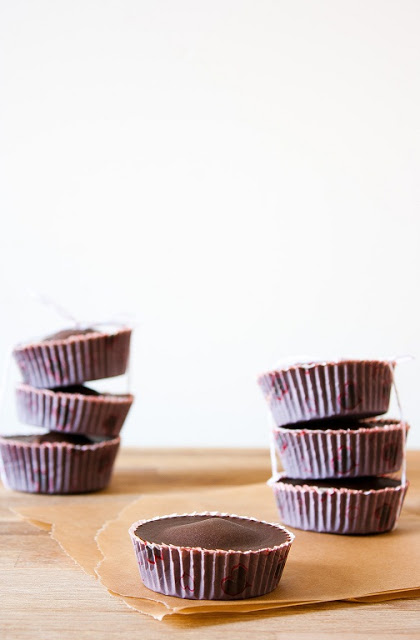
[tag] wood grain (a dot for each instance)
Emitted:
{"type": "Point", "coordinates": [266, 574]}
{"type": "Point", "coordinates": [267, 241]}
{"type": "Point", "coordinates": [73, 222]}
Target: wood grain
{"type": "Point", "coordinates": [44, 595]}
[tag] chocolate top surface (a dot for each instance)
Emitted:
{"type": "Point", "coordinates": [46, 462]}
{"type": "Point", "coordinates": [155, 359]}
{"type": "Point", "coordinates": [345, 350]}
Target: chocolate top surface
{"type": "Point", "coordinates": [337, 423]}
{"type": "Point", "coordinates": [212, 532]}
{"type": "Point", "coordinates": [329, 423]}
{"type": "Point", "coordinates": [69, 438]}
{"type": "Point", "coordinates": [76, 388]}
{"type": "Point", "coordinates": [68, 333]}
{"type": "Point", "coordinates": [365, 483]}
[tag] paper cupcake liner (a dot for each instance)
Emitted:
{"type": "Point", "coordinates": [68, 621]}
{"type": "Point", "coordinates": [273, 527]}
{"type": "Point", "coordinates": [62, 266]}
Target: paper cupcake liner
{"type": "Point", "coordinates": [376, 448]}
{"type": "Point", "coordinates": [330, 389]}
{"type": "Point", "coordinates": [57, 468]}
{"type": "Point", "coordinates": [338, 510]}
{"type": "Point", "coordinates": [201, 574]}
{"type": "Point", "coordinates": [72, 412]}
{"type": "Point", "coordinates": [60, 363]}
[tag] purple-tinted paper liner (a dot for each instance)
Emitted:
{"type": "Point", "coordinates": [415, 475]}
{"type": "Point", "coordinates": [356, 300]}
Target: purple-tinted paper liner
{"type": "Point", "coordinates": [204, 574]}
{"type": "Point", "coordinates": [57, 467]}
{"type": "Point", "coordinates": [338, 510]}
{"type": "Point", "coordinates": [359, 388]}
{"type": "Point", "coordinates": [74, 360]}
{"type": "Point", "coordinates": [376, 448]}
{"type": "Point", "coordinates": [72, 412]}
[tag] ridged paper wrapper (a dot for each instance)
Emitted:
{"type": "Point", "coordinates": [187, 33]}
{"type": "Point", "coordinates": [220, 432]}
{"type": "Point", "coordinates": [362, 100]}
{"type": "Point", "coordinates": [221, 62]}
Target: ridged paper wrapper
{"type": "Point", "coordinates": [203, 574]}
{"type": "Point", "coordinates": [57, 467]}
{"type": "Point", "coordinates": [374, 448]}
{"type": "Point", "coordinates": [314, 391]}
{"type": "Point", "coordinates": [72, 412]}
{"type": "Point", "coordinates": [338, 510]}
{"type": "Point", "coordinates": [74, 360]}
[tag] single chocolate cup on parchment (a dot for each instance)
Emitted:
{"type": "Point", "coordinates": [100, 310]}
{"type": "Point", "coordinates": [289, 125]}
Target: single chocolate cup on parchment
{"type": "Point", "coordinates": [210, 555]}
{"type": "Point", "coordinates": [74, 356]}
{"type": "Point", "coordinates": [344, 506]}
{"type": "Point", "coordinates": [57, 463]}
{"type": "Point", "coordinates": [344, 449]}
{"type": "Point", "coordinates": [336, 389]}
{"type": "Point", "coordinates": [73, 409]}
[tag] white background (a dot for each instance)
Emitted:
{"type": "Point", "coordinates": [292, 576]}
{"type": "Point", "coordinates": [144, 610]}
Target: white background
{"type": "Point", "coordinates": [242, 176]}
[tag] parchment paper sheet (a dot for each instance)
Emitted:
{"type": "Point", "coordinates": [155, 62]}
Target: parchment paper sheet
{"type": "Point", "coordinates": [320, 567]}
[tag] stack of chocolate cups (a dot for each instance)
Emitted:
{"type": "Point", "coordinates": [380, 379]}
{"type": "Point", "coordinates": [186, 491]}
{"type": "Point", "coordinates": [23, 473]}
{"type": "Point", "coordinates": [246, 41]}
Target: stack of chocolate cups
{"type": "Point", "coordinates": [336, 452]}
{"type": "Point", "coordinates": [78, 452]}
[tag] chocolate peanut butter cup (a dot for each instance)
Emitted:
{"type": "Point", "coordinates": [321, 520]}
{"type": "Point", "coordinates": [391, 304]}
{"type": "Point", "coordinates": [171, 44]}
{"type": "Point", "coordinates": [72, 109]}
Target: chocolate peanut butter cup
{"type": "Point", "coordinates": [74, 356]}
{"type": "Point", "coordinates": [344, 506]}
{"type": "Point", "coordinates": [318, 390]}
{"type": "Point", "coordinates": [73, 409]}
{"type": "Point", "coordinates": [210, 555]}
{"type": "Point", "coordinates": [341, 449]}
{"type": "Point", "coordinates": [57, 463]}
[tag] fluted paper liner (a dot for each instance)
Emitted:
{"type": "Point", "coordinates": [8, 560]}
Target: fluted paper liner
{"type": "Point", "coordinates": [74, 360]}
{"type": "Point", "coordinates": [203, 574]}
{"type": "Point", "coordinates": [338, 510]}
{"type": "Point", "coordinates": [101, 415]}
{"type": "Point", "coordinates": [57, 467]}
{"type": "Point", "coordinates": [313, 391]}
{"type": "Point", "coordinates": [374, 448]}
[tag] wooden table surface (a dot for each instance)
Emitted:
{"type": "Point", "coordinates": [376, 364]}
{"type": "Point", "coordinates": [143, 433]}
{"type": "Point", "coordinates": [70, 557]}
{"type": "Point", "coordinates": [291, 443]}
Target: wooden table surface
{"type": "Point", "coordinates": [44, 595]}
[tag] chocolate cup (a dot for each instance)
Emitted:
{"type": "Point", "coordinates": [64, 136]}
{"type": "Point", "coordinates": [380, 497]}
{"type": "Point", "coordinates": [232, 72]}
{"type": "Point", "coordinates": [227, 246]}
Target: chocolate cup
{"type": "Point", "coordinates": [204, 574]}
{"type": "Point", "coordinates": [369, 448]}
{"type": "Point", "coordinates": [102, 414]}
{"type": "Point", "coordinates": [337, 509]}
{"type": "Point", "coordinates": [314, 391]}
{"type": "Point", "coordinates": [74, 360]}
{"type": "Point", "coordinates": [57, 467]}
